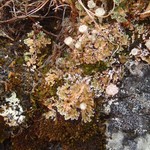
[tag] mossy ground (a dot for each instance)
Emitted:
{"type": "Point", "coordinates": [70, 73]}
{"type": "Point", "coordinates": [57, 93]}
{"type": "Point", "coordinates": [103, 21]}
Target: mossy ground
{"type": "Point", "coordinates": [38, 133]}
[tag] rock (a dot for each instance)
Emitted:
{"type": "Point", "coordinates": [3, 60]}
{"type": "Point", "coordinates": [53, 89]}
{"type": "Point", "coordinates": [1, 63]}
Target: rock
{"type": "Point", "coordinates": [130, 113]}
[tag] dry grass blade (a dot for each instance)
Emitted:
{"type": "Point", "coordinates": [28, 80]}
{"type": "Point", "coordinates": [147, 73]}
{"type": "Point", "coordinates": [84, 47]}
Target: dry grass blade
{"type": "Point", "coordinates": [24, 7]}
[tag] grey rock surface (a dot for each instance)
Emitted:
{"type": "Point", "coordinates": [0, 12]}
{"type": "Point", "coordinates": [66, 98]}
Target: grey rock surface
{"type": "Point", "coordinates": [129, 123]}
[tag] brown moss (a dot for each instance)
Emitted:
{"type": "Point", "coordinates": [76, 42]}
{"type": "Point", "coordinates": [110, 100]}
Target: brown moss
{"type": "Point", "coordinates": [71, 135]}
{"type": "Point", "coordinates": [4, 134]}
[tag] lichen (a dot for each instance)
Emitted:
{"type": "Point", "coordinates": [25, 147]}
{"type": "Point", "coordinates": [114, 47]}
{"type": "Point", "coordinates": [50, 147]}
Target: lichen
{"type": "Point", "coordinates": [12, 111]}
{"type": "Point", "coordinates": [35, 42]}
{"type": "Point", "coordinates": [52, 76]}
{"type": "Point", "coordinates": [85, 69]}
{"type": "Point", "coordinates": [70, 98]}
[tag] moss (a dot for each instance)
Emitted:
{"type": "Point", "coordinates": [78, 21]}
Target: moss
{"type": "Point", "coordinates": [71, 135]}
{"type": "Point", "coordinates": [19, 60]}
{"type": "Point", "coordinates": [2, 61]}
{"type": "Point", "coordinates": [45, 69]}
{"type": "Point", "coordinates": [89, 69]}
{"type": "Point", "coordinates": [4, 134]}
{"type": "Point", "coordinates": [53, 90]}
{"type": "Point", "coordinates": [30, 86]}
{"type": "Point", "coordinates": [4, 42]}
